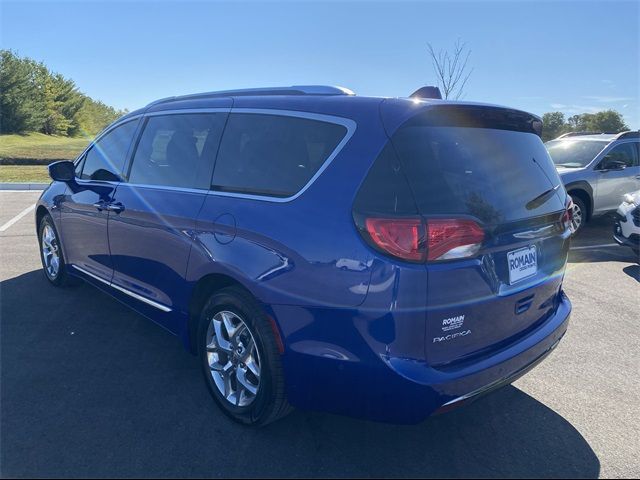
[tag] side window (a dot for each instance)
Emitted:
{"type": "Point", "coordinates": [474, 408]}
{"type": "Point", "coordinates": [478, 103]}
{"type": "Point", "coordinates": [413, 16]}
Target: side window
{"type": "Point", "coordinates": [79, 166]}
{"type": "Point", "coordinates": [626, 153]}
{"type": "Point", "coordinates": [105, 160]}
{"type": "Point", "coordinates": [272, 155]}
{"type": "Point", "coordinates": [178, 150]}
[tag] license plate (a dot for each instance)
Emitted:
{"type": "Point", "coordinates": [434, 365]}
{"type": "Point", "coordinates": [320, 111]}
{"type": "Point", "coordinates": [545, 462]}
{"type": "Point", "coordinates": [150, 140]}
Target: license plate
{"type": "Point", "coordinates": [522, 263]}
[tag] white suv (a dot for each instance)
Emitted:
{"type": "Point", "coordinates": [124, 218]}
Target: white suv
{"type": "Point", "coordinates": [626, 230]}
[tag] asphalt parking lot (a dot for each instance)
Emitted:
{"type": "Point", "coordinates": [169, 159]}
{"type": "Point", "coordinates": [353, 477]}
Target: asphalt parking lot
{"type": "Point", "coordinates": [89, 388]}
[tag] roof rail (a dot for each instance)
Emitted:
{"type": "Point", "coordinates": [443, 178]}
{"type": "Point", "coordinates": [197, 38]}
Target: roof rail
{"type": "Point", "coordinates": [293, 90]}
{"type": "Point", "coordinates": [577, 134]}
{"type": "Point", "coordinates": [629, 134]}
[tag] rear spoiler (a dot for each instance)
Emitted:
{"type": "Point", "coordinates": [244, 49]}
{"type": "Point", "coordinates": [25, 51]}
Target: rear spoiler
{"type": "Point", "coordinates": [396, 112]}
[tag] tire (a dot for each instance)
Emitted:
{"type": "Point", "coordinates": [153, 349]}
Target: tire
{"type": "Point", "coordinates": [51, 254]}
{"type": "Point", "coordinates": [231, 321]}
{"type": "Point", "coordinates": [580, 211]}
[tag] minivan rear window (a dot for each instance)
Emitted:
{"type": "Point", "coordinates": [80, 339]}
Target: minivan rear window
{"type": "Point", "coordinates": [272, 155]}
{"type": "Point", "coordinates": [493, 174]}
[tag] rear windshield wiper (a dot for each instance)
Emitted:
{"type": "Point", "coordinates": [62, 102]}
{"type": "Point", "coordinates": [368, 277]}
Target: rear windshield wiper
{"type": "Point", "coordinates": [542, 198]}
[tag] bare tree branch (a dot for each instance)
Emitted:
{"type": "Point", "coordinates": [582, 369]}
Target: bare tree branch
{"type": "Point", "coordinates": [451, 69]}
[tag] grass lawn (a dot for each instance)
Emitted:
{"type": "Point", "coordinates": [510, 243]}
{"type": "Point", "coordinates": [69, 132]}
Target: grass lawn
{"type": "Point", "coordinates": [38, 146]}
{"type": "Point", "coordinates": [24, 173]}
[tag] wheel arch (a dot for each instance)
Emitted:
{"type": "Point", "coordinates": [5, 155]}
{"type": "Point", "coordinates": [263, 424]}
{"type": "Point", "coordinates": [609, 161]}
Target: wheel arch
{"type": "Point", "coordinates": [203, 289]}
{"type": "Point", "coordinates": [584, 191]}
{"type": "Point", "coordinates": [41, 211]}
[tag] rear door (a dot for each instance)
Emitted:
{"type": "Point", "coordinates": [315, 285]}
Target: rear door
{"type": "Point", "coordinates": [150, 237]}
{"type": "Point", "coordinates": [485, 167]}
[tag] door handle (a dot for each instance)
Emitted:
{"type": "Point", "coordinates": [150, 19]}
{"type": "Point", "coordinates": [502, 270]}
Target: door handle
{"type": "Point", "coordinates": [101, 205]}
{"type": "Point", "coordinates": [116, 207]}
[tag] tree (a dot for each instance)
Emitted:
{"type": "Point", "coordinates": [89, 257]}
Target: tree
{"type": "Point", "coordinates": [607, 121]}
{"type": "Point", "coordinates": [93, 116]}
{"type": "Point", "coordinates": [34, 99]}
{"type": "Point", "coordinates": [451, 69]}
{"type": "Point", "coordinates": [579, 123]}
{"type": "Point", "coordinates": [62, 101]}
{"type": "Point", "coordinates": [19, 95]}
{"type": "Point", "coordinates": [553, 125]}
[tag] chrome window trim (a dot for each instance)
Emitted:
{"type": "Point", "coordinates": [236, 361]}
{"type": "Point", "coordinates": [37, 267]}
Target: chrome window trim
{"type": "Point", "coordinates": [201, 191]}
{"type": "Point", "coordinates": [157, 305]}
{"type": "Point", "coordinates": [349, 124]}
{"type": "Point", "coordinates": [188, 111]}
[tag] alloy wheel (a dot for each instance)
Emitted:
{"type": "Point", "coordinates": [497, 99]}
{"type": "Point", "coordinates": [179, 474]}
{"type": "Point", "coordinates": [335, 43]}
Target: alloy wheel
{"type": "Point", "coordinates": [233, 358]}
{"type": "Point", "coordinates": [50, 252]}
{"type": "Point", "coordinates": [576, 221]}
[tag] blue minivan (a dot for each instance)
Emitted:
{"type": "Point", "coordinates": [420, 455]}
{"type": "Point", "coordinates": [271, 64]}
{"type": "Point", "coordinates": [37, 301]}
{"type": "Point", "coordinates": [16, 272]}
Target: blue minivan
{"type": "Point", "coordinates": [384, 258]}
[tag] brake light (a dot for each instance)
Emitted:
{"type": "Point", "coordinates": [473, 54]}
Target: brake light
{"type": "Point", "coordinates": [453, 238]}
{"type": "Point", "coordinates": [567, 216]}
{"type": "Point", "coordinates": [400, 237]}
{"type": "Point", "coordinates": [439, 239]}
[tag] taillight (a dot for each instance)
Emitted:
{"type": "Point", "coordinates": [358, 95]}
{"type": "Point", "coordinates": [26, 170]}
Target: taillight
{"type": "Point", "coordinates": [567, 216]}
{"type": "Point", "coordinates": [414, 240]}
{"type": "Point", "coordinates": [453, 238]}
{"type": "Point", "coordinates": [400, 237]}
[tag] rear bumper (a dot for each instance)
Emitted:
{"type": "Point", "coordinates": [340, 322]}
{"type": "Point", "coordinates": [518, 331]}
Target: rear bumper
{"type": "Point", "coordinates": [454, 388]}
{"type": "Point", "coordinates": [633, 241]}
{"type": "Point", "coordinates": [471, 396]}
{"type": "Point", "coordinates": [401, 390]}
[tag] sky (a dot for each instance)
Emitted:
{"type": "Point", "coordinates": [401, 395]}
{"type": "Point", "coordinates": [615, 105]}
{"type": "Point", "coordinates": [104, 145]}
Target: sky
{"type": "Point", "coordinates": [539, 56]}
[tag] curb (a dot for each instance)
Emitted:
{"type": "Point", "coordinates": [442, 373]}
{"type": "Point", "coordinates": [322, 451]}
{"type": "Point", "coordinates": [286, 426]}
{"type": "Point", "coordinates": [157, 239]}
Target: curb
{"type": "Point", "coordinates": [22, 186]}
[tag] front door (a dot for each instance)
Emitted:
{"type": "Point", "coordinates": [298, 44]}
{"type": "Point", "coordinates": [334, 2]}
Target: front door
{"type": "Point", "coordinates": [85, 208]}
{"type": "Point", "coordinates": [614, 183]}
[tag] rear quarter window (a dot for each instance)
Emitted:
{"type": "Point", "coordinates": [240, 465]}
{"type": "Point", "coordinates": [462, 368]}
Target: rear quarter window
{"type": "Point", "coordinates": [272, 155]}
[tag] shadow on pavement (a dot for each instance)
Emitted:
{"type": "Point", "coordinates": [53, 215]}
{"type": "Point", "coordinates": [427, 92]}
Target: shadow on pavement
{"type": "Point", "coordinates": [633, 271]}
{"type": "Point", "coordinates": [91, 389]}
{"type": "Point", "coordinates": [599, 231]}
{"type": "Point", "coordinates": [605, 254]}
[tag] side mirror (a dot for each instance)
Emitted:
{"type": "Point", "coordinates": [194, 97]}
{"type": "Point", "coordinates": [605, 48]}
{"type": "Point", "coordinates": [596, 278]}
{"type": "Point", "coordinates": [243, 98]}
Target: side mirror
{"type": "Point", "coordinates": [611, 164]}
{"type": "Point", "coordinates": [63, 171]}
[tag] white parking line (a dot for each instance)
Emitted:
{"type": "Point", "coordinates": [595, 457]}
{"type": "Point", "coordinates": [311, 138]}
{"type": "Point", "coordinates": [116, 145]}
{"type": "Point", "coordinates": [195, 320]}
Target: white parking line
{"type": "Point", "coordinates": [595, 246]}
{"type": "Point", "coordinates": [17, 217]}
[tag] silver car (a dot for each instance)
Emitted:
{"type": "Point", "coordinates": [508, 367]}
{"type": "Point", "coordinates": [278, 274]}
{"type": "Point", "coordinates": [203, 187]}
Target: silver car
{"type": "Point", "coordinates": [597, 170]}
